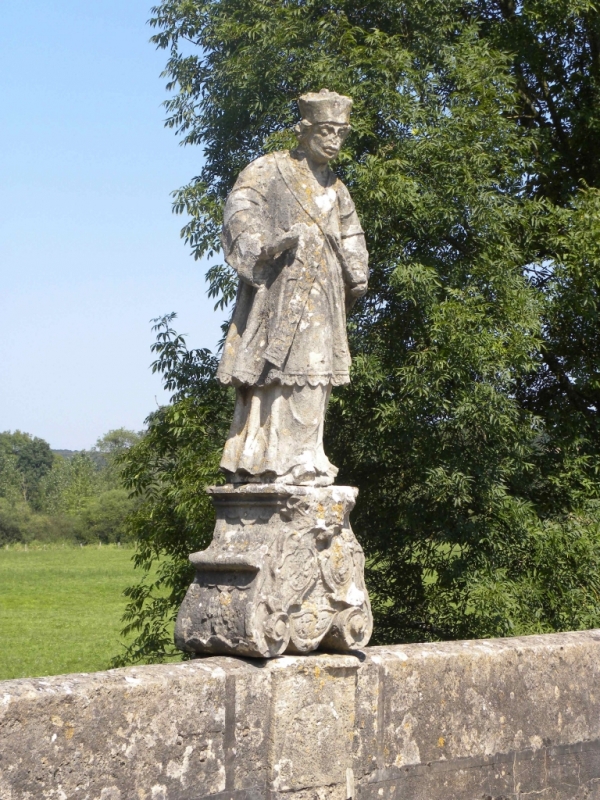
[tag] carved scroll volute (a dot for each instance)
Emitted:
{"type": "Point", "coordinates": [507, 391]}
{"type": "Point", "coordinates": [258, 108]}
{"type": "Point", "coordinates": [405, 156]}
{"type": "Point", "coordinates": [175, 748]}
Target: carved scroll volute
{"type": "Point", "coordinates": [271, 630]}
{"type": "Point", "coordinates": [350, 630]}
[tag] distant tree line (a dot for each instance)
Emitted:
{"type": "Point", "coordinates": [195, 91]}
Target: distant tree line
{"type": "Point", "coordinates": [49, 497]}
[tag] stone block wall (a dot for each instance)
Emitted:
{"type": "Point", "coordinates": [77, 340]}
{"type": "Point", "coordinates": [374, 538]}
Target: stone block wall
{"type": "Point", "coordinates": [484, 720]}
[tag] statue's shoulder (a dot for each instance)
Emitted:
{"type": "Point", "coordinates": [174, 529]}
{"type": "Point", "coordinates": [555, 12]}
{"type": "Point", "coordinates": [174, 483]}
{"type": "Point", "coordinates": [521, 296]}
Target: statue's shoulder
{"type": "Point", "coordinates": [260, 170]}
{"type": "Point", "coordinates": [344, 198]}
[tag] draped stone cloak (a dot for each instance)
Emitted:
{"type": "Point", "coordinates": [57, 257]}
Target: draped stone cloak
{"type": "Point", "coordinates": [289, 323]}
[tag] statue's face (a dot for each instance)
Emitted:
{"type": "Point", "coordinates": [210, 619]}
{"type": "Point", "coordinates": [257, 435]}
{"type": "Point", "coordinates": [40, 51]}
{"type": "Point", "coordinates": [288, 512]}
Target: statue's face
{"type": "Point", "coordinates": [323, 141]}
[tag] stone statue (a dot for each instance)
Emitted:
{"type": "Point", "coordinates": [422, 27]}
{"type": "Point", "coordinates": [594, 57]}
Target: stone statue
{"type": "Point", "coordinates": [292, 234]}
{"type": "Point", "coordinates": [284, 572]}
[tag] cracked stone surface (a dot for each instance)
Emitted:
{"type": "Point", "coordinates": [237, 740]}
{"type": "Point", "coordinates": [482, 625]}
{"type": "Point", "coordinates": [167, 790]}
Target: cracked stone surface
{"type": "Point", "coordinates": [504, 719]}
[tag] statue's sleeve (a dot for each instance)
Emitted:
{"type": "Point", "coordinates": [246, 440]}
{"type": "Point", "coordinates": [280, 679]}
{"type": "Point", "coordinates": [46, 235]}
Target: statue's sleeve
{"type": "Point", "coordinates": [353, 241]}
{"type": "Point", "coordinates": [245, 222]}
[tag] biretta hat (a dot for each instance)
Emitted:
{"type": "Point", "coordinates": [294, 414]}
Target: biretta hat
{"type": "Point", "coordinates": [325, 106]}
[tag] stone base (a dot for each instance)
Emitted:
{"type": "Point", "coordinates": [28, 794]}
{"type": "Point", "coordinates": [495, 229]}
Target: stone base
{"type": "Point", "coordinates": [283, 574]}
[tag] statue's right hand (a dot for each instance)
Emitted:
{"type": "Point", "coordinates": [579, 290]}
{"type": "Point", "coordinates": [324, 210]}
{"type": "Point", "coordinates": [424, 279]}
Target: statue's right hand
{"type": "Point", "coordinates": [287, 241]}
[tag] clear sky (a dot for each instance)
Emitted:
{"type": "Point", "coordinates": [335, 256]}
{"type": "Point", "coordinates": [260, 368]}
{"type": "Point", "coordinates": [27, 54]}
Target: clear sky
{"type": "Point", "coordinates": [89, 248]}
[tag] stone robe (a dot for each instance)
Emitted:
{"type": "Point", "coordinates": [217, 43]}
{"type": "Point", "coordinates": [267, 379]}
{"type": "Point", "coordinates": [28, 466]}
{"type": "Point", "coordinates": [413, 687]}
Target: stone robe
{"type": "Point", "coordinates": [287, 343]}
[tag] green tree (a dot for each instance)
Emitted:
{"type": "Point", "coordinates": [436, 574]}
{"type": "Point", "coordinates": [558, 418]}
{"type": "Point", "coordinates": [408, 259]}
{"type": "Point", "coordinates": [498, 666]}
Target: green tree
{"type": "Point", "coordinates": [470, 426]}
{"type": "Point", "coordinates": [102, 517]}
{"type": "Point", "coordinates": [66, 488]}
{"type": "Point", "coordinates": [554, 49]}
{"type": "Point", "coordinates": [11, 479]}
{"type": "Point", "coordinates": [33, 459]}
{"type": "Point", "coordinates": [108, 451]}
{"type": "Point", "coordinates": [554, 46]}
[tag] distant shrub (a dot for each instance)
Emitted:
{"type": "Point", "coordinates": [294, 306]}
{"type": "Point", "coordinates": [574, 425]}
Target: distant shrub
{"type": "Point", "coordinates": [18, 523]}
{"type": "Point", "coordinates": [102, 518]}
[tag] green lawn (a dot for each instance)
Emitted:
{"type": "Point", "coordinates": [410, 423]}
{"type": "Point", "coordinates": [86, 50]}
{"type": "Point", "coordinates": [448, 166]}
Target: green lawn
{"type": "Point", "coordinates": [60, 609]}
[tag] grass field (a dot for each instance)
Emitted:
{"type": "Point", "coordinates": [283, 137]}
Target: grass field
{"type": "Point", "coordinates": [60, 609]}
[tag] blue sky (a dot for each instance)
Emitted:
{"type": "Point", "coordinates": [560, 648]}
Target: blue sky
{"type": "Point", "coordinates": [89, 248]}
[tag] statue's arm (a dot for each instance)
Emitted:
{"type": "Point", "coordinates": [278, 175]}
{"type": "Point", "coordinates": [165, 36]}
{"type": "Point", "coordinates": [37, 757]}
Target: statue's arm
{"type": "Point", "coordinates": [354, 248]}
{"type": "Point", "coordinates": [249, 238]}
{"type": "Point", "coordinates": [244, 233]}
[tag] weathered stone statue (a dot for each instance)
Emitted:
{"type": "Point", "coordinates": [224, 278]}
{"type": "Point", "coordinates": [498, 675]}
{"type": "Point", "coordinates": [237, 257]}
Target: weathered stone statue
{"type": "Point", "coordinates": [284, 570]}
{"type": "Point", "coordinates": [292, 235]}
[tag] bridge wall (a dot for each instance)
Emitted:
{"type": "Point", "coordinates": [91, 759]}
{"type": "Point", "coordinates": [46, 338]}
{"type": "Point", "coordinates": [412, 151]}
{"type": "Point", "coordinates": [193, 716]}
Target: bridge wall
{"type": "Point", "coordinates": [482, 720]}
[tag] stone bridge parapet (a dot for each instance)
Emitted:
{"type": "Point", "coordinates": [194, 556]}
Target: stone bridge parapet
{"type": "Point", "coordinates": [501, 719]}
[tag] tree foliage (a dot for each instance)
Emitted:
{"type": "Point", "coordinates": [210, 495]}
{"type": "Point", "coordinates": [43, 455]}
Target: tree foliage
{"type": "Point", "coordinates": [45, 496]}
{"type": "Point", "coordinates": [555, 50]}
{"type": "Point", "coordinates": [470, 426]}
{"type": "Point", "coordinates": [28, 456]}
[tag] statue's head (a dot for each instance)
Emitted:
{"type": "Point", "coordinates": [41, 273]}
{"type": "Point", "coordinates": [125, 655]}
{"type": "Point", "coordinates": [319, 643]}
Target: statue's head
{"type": "Point", "coordinates": [324, 125]}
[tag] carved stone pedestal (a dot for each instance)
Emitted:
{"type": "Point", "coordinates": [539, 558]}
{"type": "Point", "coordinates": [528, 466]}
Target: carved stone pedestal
{"type": "Point", "coordinates": [284, 573]}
